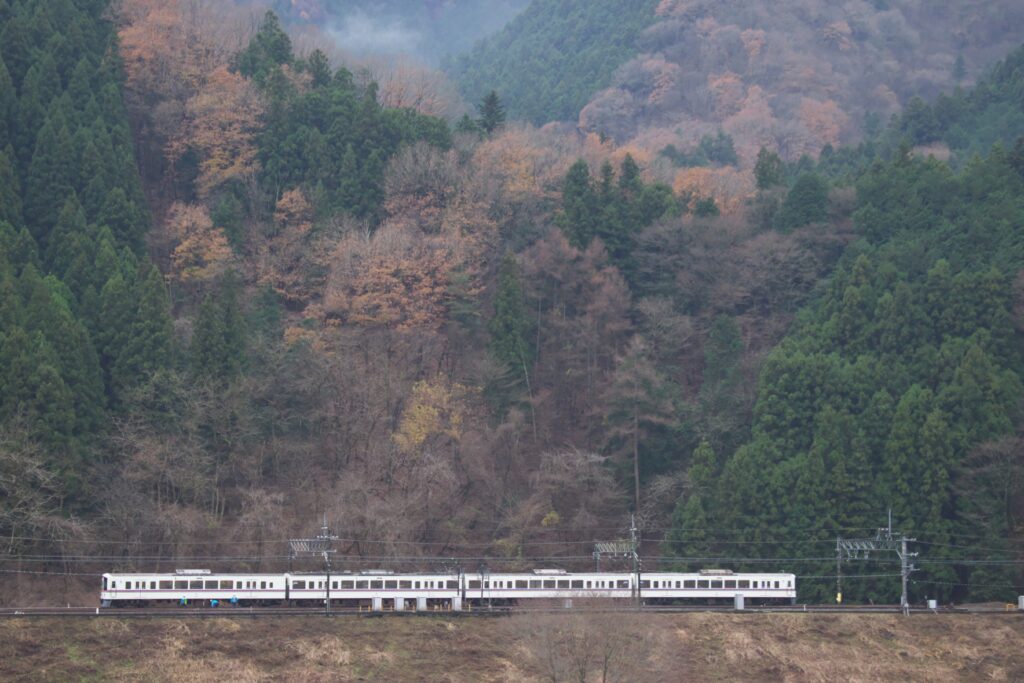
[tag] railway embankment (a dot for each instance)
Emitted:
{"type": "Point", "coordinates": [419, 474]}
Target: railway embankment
{"type": "Point", "coordinates": [629, 647]}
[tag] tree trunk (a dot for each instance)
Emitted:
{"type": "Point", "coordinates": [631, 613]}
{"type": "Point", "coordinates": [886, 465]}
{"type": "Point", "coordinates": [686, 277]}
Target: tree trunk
{"type": "Point", "coordinates": [636, 458]}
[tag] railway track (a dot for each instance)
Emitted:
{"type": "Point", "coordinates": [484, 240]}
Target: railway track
{"type": "Point", "coordinates": [281, 612]}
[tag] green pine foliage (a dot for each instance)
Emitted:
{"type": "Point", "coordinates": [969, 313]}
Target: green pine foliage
{"type": "Point", "coordinates": [77, 328]}
{"type": "Point", "coordinates": [612, 209]}
{"type": "Point", "coordinates": [492, 113]}
{"type": "Point", "coordinates": [893, 378]}
{"type": "Point", "coordinates": [218, 350]}
{"type": "Point", "coordinates": [335, 140]}
{"type": "Point", "coordinates": [551, 58]}
{"type": "Point", "coordinates": [806, 203]}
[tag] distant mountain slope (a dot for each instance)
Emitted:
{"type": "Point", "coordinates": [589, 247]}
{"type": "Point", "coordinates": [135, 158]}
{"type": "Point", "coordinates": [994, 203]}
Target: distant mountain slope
{"type": "Point", "coordinates": [554, 56]}
{"type": "Point", "coordinates": [795, 75]}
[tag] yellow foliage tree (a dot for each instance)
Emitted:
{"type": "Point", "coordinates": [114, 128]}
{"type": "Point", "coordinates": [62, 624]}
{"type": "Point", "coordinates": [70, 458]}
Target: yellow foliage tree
{"type": "Point", "coordinates": [435, 408]}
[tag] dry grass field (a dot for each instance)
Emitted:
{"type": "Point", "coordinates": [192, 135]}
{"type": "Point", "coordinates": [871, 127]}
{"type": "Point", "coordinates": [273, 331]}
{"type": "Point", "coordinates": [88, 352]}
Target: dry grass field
{"type": "Point", "coordinates": [690, 647]}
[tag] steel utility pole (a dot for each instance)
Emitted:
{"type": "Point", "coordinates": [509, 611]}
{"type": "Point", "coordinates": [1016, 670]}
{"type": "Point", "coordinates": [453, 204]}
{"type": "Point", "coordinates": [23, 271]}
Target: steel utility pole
{"type": "Point", "coordinates": [322, 545]}
{"type": "Point", "coordinates": [625, 549]}
{"type": "Point", "coordinates": [885, 540]}
{"type": "Point", "coordinates": [635, 544]}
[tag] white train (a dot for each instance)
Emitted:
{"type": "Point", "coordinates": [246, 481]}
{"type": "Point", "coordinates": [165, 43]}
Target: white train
{"type": "Point", "coordinates": [385, 591]}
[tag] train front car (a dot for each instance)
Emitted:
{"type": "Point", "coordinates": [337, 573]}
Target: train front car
{"type": "Point", "coordinates": [192, 587]}
{"type": "Point", "coordinates": [717, 586]}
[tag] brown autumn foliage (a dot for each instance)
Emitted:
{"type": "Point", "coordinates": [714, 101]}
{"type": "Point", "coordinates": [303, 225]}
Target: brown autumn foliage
{"type": "Point", "coordinates": [202, 251]}
{"type": "Point", "coordinates": [728, 186]}
{"type": "Point", "coordinates": [171, 49]}
{"type": "Point", "coordinates": [286, 256]}
{"type": "Point", "coordinates": [792, 75]}
{"type": "Point", "coordinates": [222, 120]}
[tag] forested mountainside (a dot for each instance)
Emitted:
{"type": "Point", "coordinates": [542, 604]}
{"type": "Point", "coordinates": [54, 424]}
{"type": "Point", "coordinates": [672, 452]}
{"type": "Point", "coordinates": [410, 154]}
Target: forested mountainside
{"type": "Point", "coordinates": [553, 57]}
{"type": "Point", "coordinates": [795, 75]}
{"type": "Point", "coordinates": [246, 284]}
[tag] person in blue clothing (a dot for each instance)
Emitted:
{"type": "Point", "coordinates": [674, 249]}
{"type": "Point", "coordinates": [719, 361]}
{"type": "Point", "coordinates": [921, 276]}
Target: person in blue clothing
{"type": "Point", "coordinates": [234, 600]}
{"type": "Point", "coordinates": [214, 603]}
{"type": "Point", "coordinates": [184, 601]}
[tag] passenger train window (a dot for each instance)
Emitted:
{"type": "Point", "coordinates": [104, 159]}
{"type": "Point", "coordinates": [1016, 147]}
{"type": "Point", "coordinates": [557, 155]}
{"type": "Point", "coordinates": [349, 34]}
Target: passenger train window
{"type": "Point", "coordinates": [181, 585]}
{"type": "Point", "coordinates": [577, 584]}
{"type": "Point", "coordinates": [362, 585]}
{"type": "Point", "coordinates": [346, 585]}
{"type": "Point", "coordinates": [624, 583]}
{"type": "Point", "coordinates": [776, 584]}
{"type": "Point", "coordinates": [536, 583]}
{"type": "Point", "coordinates": [522, 584]}
{"type": "Point", "coordinates": [744, 583]}
{"type": "Point", "coordinates": [789, 584]}
{"type": "Point", "coordinates": [405, 584]}
{"type": "Point", "coordinates": [195, 585]}
{"type": "Point", "coordinates": [703, 583]}
{"type": "Point", "coordinates": [730, 584]}
{"type": "Point", "coordinates": [453, 585]}
{"type": "Point", "coordinates": [563, 584]}
{"type": "Point", "coordinates": [475, 585]}
{"type": "Point", "coordinates": [391, 585]}
{"type": "Point", "coordinates": [211, 585]}
{"type": "Point", "coordinates": [165, 585]}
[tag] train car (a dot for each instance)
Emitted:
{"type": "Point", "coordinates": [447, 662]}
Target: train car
{"type": "Point", "coordinates": [386, 591]}
{"type": "Point", "coordinates": [379, 591]}
{"type": "Point", "coordinates": [653, 587]}
{"type": "Point", "coordinates": [192, 586]}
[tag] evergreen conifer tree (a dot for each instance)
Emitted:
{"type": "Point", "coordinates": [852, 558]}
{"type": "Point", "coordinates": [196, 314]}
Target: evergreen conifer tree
{"type": "Point", "coordinates": [8, 107]}
{"type": "Point", "coordinates": [319, 69]}
{"type": "Point", "coordinates": [806, 203]}
{"type": "Point", "coordinates": [10, 189]}
{"type": "Point", "coordinates": [147, 346]}
{"type": "Point", "coordinates": [50, 179]}
{"type": "Point", "coordinates": [208, 349]}
{"type": "Point", "coordinates": [492, 113]}
{"type": "Point", "coordinates": [579, 205]}
{"type": "Point", "coordinates": [510, 327]}
{"type": "Point", "coordinates": [768, 170]}
{"type": "Point", "coordinates": [121, 216]}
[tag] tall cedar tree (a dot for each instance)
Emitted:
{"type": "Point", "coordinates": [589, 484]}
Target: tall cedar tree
{"type": "Point", "coordinates": [492, 113]}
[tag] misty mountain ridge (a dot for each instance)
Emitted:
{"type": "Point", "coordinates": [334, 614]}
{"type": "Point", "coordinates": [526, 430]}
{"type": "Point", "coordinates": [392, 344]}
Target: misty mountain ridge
{"type": "Point", "coordinates": [426, 29]}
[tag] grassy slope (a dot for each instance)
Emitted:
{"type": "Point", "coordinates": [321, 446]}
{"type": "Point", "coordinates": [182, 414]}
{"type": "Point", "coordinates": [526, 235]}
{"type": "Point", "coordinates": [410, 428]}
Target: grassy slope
{"type": "Point", "coordinates": [687, 647]}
